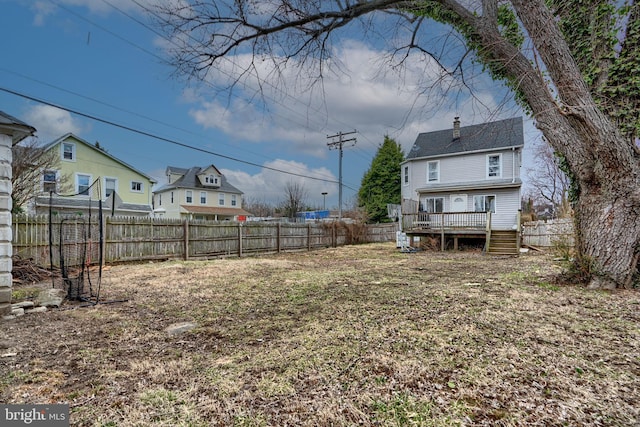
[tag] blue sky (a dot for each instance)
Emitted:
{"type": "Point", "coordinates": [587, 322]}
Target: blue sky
{"type": "Point", "coordinates": [96, 57]}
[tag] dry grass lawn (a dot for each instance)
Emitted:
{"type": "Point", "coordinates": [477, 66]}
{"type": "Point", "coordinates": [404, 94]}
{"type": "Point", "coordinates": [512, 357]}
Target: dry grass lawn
{"type": "Point", "coordinates": [359, 335]}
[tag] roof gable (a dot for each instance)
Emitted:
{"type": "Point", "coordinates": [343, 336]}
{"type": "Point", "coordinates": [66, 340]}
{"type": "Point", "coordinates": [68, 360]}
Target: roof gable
{"type": "Point", "coordinates": [190, 179]}
{"type": "Point", "coordinates": [75, 138]}
{"type": "Point", "coordinates": [211, 169]}
{"type": "Point", "coordinates": [482, 137]}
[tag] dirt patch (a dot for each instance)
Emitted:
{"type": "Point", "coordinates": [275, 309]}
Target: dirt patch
{"type": "Point", "coordinates": [358, 335]}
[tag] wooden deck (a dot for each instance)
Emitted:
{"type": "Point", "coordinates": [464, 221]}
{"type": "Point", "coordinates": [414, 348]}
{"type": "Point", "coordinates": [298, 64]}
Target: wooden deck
{"type": "Point", "coordinates": [447, 220]}
{"type": "Point", "coordinates": [459, 225]}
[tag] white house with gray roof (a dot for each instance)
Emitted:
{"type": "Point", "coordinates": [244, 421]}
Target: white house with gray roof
{"type": "Point", "coordinates": [467, 169]}
{"type": "Point", "coordinates": [198, 193]}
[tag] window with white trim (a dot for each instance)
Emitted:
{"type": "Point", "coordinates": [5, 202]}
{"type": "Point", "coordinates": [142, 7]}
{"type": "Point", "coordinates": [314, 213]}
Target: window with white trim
{"type": "Point", "coordinates": [221, 199]}
{"type": "Point", "coordinates": [211, 179]}
{"type": "Point", "coordinates": [110, 185]}
{"type": "Point", "coordinates": [137, 186]}
{"type": "Point", "coordinates": [203, 197]}
{"type": "Point", "coordinates": [234, 200]}
{"type": "Point", "coordinates": [188, 196]}
{"type": "Point", "coordinates": [406, 175]}
{"type": "Point", "coordinates": [50, 181]}
{"type": "Point", "coordinates": [484, 204]}
{"type": "Point", "coordinates": [432, 204]}
{"type": "Point", "coordinates": [494, 166]}
{"type": "Point", "coordinates": [83, 182]}
{"type": "Point", "coordinates": [68, 152]}
{"type": "Point", "coordinates": [172, 197]}
{"type": "Point", "coordinates": [433, 171]}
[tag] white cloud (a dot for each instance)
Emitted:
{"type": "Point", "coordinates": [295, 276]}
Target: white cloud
{"type": "Point", "coordinates": [366, 95]}
{"type": "Point", "coordinates": [51, 122]}
{"type": "Point", "coordinates": [44, 9]}
{"type": "Point", "coordinates": [269, 185]}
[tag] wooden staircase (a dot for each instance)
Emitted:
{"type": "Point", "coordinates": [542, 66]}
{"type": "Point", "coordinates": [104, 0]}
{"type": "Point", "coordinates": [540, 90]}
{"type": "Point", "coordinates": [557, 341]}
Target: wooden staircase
{"type": "Point", "coordinates": [503, 242]}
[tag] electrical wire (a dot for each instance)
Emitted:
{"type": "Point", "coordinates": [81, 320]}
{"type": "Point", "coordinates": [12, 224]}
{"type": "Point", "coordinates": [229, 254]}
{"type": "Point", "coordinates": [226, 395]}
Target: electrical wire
{"type": "Point", "coordinates": [295, 112]}
{"type": "Point", "coordinates": [161, 138]}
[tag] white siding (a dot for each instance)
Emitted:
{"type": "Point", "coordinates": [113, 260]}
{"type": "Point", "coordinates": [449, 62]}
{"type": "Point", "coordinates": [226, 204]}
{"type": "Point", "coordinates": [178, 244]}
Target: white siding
{"type": "Point", "coordinates": [507, 206]}
{"type": "Point", "coordinates": [461, 168]}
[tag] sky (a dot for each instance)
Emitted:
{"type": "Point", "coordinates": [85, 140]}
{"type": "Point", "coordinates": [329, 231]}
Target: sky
{"type": "Point", "coordinates": [67, 62]}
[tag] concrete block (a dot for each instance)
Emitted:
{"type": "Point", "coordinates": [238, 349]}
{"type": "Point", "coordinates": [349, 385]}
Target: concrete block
{"type": "Point", "coordinates": [5, 185]}
{"type": "Point", "coordinates": [5, 217]}
{"type": "Point", "coordinates": [6, 233]}
{"type": "Point", "coordinates": [6, 250]}
{"type": "Point", "coordinates": [6, 264]}
{"type": "Point", "coordinates": [5, 153]}
{"type": "Point", "coordinates": [5, 309]}
{"type": "Point", "coordinates": [5, 203]}
{"type": "Point", "coordinates": [5, 295]}
{"type": "Point", "coordinates": [6, 281]}
{"type": "Point", "coordinates": [5, 169]}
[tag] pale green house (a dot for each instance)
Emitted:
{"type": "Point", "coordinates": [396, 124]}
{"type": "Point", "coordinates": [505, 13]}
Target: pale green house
{"type": "Point", "coordinates": [86, 174]}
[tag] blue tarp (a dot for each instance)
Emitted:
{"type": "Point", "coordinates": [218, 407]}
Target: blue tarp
{"type": "Point", "coordinates": [313, 214]}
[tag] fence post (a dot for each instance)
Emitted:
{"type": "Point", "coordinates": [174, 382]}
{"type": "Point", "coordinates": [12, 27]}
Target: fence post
{"type": "Point", "coordinates": [105, 220]}
{"type": "Point", "coordinates": [278, 233]}
{"type": "Point", "coordinates": [240, 239]}
{"type": "Point", "coordinates": [488, 231]}
{"type": "Point", "coordinates": [186, 239]}
{"type": "Point", "coordinates": [309, 237]}
{"type": "Point", "coordinates": [442, 245]}
{"type": "Point", "coordinates": [518, 229]}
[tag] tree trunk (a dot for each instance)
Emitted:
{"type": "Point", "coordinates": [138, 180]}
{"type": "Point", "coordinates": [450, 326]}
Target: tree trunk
{"type": "Point", "coordinates": [608, 239]}
{"type": "Point", "coordinates": [604, 165]}
{"type": "Point", "coordinates": [607, 212]}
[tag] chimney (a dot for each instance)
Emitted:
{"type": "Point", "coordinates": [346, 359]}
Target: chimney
{"type": "Point", "coordinates": [456, 128]}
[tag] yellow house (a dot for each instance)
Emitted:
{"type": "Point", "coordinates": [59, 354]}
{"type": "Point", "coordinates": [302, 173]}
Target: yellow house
{"type": "Point", "coordinates": [85, 175]}
{"type": "Point", "coordinates": [198, 193]}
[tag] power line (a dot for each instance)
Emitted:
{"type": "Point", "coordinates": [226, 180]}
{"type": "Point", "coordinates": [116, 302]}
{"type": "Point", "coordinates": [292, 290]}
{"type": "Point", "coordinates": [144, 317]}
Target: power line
{"type": "Point", "coordinates": [208, 83]}
{"type": "Point", "coordinates": [223, 58]}
{"type": "Point", "coordinates": [120, 109]}
{"type": "Point", "coordinates": [160, 138]}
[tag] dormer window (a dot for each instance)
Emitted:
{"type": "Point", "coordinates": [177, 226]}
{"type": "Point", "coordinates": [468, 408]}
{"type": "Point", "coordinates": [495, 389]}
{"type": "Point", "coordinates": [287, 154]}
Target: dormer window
{"type": "Point", "coordinates": [211, 180]}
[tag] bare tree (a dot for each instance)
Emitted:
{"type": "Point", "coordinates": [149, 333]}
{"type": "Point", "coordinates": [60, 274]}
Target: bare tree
{"type": "Point", "coordinates": [258, 208]}
{"type": "Point", "coordinates": [295, 199]}
{"type": "Point", "coordinates": [547, 183]}
{"type": "Point", "coordinates": [34, 172]}
{"type": "Point", "coordinates": [571, 64]}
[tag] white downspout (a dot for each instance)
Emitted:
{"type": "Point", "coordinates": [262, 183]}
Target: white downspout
{"type": "Point", "coordinates": [513, 165]}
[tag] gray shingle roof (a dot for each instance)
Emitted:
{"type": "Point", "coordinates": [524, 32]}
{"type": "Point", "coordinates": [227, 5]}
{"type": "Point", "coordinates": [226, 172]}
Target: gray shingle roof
{"type": "Point", "coordinates": [189, 179]}
{"type": "Point", "coordinates": [483, 137]}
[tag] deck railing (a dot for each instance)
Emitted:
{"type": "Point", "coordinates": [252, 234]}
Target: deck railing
{"type": "Point", "coordinates": [445, 221]}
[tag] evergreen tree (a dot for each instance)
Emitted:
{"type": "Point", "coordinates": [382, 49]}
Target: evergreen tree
{"type": "Point", "coordinates": [381, 183]}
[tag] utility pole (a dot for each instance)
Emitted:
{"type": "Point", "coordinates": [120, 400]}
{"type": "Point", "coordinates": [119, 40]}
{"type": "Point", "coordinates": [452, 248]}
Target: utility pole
{"type": "Point", "coordinates": [338, 145]}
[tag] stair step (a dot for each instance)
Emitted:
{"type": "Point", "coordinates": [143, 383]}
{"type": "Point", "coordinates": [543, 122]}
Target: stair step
{"type": "Point", "coordinates": [503, 242]}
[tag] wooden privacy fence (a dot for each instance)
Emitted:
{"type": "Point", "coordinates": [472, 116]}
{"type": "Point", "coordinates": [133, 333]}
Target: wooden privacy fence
{"type": "Point", "coordinates": [548, 233]}
{"type": "Point", "coordinates": [138, 239]}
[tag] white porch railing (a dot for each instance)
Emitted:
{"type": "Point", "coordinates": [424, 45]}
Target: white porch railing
{"type": "Point", "coordinates": [446, 221]}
